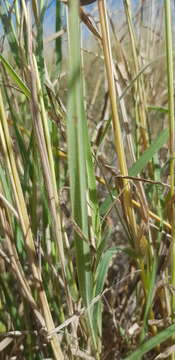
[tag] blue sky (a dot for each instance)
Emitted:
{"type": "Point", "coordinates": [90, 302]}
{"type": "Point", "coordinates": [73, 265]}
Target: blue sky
{"type": "Point", "coordinates": [50, 13]}
{"type": "Point", "coordinates": [49, 22]}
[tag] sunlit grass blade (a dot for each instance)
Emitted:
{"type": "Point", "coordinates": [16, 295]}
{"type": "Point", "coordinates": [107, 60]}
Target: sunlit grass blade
{"type": "Point", "coordinates": [16, 78]}
{"type": "Point", "coordinates": [157, 108]}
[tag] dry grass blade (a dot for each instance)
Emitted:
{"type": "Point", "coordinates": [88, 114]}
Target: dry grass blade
{"type": "Point", "coordinates": [4, 343]}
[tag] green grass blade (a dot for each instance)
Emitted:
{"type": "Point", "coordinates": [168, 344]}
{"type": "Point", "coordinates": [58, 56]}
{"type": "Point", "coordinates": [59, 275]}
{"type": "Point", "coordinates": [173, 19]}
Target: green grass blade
{"type": "Point", "coordinates": [12, 73]}
{"type": "Point", "coordinates": [102, 270]}
{"type": "Point", "coordinates": [140, 164]}
{"type": "Point", "coordinates": [76, 153]}
{"type": "Point", "coordinates": [101, 276]}
{"type": "Point", "coordinates": [104, 265]}
{"type": "Point", "coordinates": [93, 200]}
{"type": "Point", "coordinates": [149, 297]}
{"type": "Point", "coordinates": [157, 108]}
{"type": "Point", "coordinates": [152, 343]}
{"type": "Point", "coordinates": [77, 161]}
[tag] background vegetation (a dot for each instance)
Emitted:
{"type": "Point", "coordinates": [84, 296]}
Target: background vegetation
{"type": "Point", "coordinates": [87, 237]}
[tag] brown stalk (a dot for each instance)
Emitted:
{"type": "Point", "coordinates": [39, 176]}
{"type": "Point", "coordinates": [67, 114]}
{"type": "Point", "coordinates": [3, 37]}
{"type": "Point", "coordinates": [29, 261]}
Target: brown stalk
{"type": "Point", "coordinates": [127, 204]}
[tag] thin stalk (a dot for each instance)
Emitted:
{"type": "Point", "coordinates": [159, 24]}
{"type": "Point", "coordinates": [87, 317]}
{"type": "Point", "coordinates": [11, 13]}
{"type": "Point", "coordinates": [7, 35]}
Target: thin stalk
{"type": "Point", "coordinates": [170, 77]}
{"type": "Point", "coordinates": [138, 85]}
{"type": "Point", "coordinates": [127, 197]}
{"type": "Point", "coordinates": [140, 110]}
{"type": "Point", "coordinates": [58, 41]}
{"type": "Point", "coordinates": [115, 119]}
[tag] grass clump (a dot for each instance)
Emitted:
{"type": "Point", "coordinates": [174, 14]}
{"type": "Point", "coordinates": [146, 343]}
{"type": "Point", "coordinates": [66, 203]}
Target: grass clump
{"type": "Point", "coordinates": [87, 182]}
